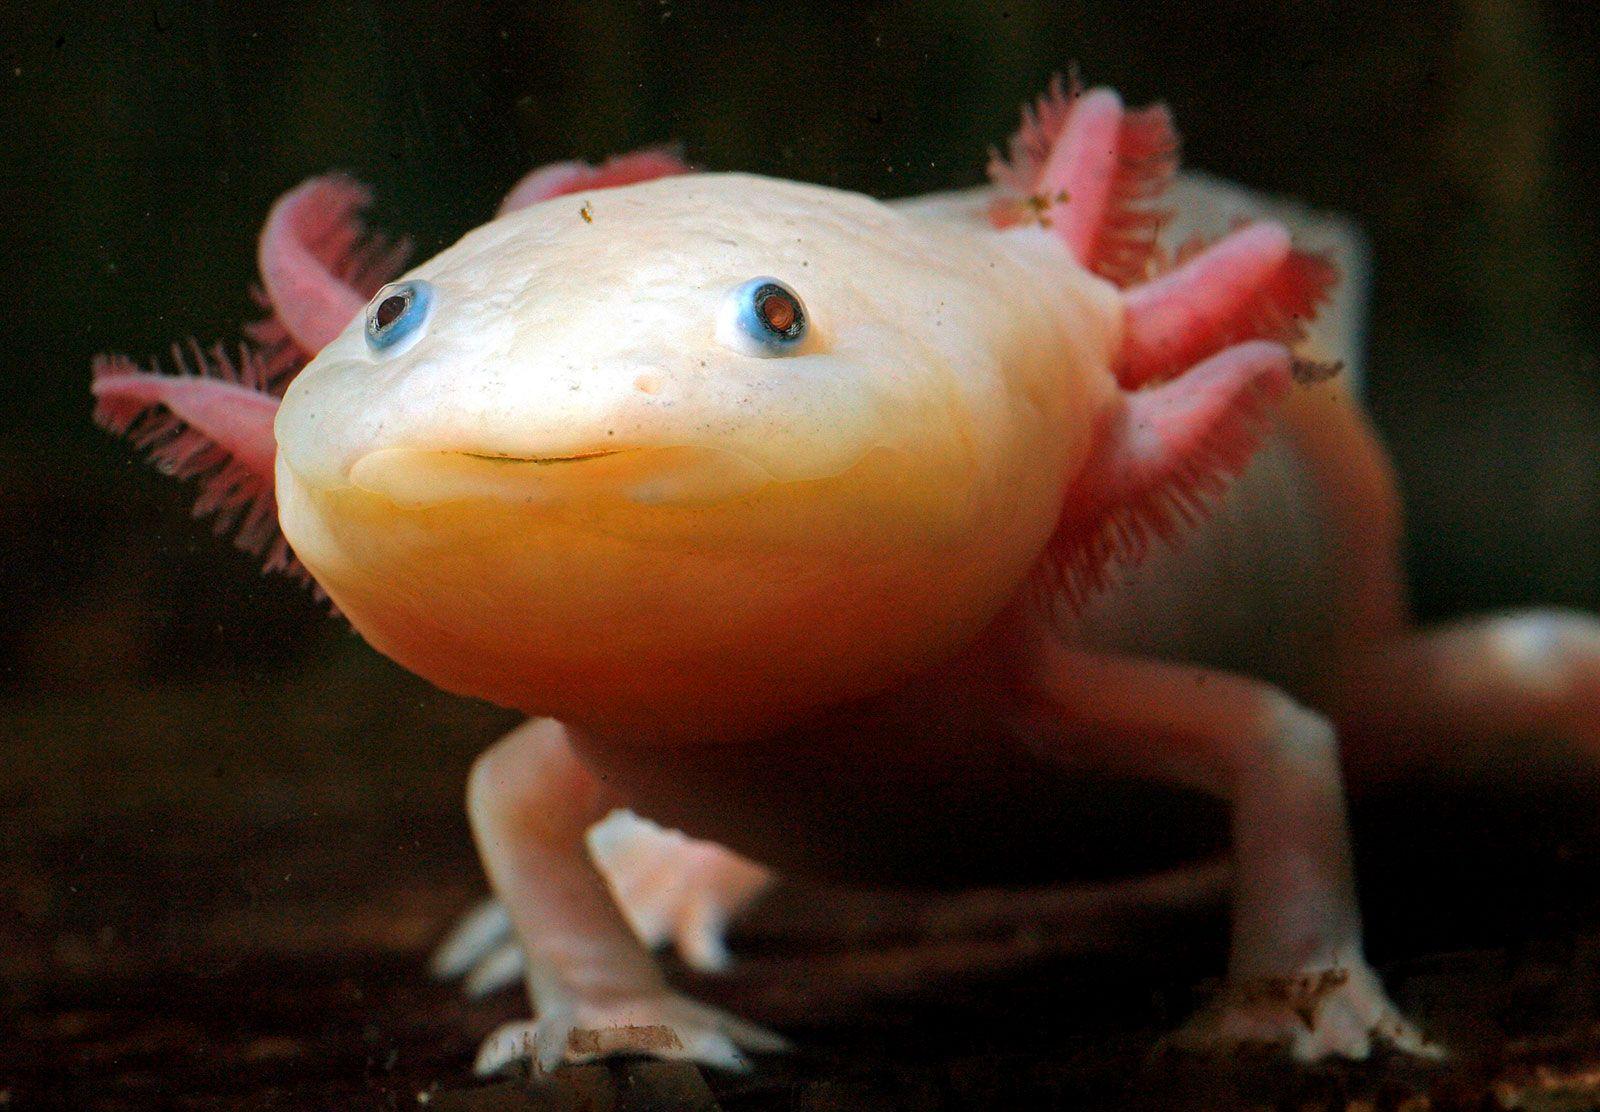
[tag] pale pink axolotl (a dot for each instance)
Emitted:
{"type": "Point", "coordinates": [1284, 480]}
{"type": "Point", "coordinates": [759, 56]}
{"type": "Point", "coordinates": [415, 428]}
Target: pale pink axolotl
{"type": "Point", "coordinates": [824, 530]}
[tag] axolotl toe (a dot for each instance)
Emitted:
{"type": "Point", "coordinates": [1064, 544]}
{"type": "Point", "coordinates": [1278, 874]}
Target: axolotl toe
{"type": "Point", "coordinates": [856, 539]}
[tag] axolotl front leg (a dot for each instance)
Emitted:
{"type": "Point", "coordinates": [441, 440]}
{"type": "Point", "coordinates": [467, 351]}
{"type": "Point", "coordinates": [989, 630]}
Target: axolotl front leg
{"type": "Point", "coordinates": [1297, 975]}
{"type": "Point", "coordinates": [1296, 972]}
{"type": "Point", "coordinates": [597, 990]}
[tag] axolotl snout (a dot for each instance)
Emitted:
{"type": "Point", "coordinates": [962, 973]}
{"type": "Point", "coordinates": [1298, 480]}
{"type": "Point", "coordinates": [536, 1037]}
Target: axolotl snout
{"type": "Point", "coordinates": [817, 528]}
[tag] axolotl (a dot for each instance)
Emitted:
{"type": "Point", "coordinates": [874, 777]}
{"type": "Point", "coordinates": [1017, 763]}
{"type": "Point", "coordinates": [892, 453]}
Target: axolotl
{"type": "Point", "coordinates": [857, 540]}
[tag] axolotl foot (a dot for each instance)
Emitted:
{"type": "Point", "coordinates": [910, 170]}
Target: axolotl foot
{"type": "Point", "coordinates": [674, 891]}
{"type": "Point", "coordinates": [664, 1025]}
{"type": "Point", "coordinates": [1337, 1011]}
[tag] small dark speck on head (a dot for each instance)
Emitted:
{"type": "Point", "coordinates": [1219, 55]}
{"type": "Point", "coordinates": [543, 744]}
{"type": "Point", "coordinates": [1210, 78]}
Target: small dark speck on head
{"type": "Point", "coordinates": [611, 432]}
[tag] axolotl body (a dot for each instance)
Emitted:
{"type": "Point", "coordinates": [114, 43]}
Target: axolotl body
{"type": "Point", "coordinates": [858, 540]}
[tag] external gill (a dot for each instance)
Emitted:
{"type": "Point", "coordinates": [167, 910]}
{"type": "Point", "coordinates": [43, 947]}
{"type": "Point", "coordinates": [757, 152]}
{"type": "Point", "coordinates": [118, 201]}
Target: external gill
{"type": "Point", "coordinates": [1206, 330]}
{"type": "Point", "coordinates": [212, 420]}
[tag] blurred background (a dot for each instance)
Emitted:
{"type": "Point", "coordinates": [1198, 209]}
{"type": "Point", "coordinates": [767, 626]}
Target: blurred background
{"type": "Point", "coordinates": [175, 729]}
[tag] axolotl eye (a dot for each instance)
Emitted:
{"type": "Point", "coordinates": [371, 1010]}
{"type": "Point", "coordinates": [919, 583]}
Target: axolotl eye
{"type": "Point", "coordinates": [762, 317]}
{"type": "Point", "coordinates": [397, 314]}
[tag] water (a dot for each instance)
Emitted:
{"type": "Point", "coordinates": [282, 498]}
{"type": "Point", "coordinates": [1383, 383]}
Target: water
{"type": "Point", "coordinates": [153, 682]}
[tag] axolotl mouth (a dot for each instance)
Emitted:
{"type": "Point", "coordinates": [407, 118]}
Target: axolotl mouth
{"type": "Point", "coordinates": [418, 477]}
{"type": "Point", "coordinates": [542, 459]}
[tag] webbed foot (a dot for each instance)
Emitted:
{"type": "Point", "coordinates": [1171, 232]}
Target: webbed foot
{"type": "Point", "coordinates": [673, 890]}
{"type": "Point", "coordinates": [665, 1025]}
{"type": "Point", "coordinates": [1338, 1011]}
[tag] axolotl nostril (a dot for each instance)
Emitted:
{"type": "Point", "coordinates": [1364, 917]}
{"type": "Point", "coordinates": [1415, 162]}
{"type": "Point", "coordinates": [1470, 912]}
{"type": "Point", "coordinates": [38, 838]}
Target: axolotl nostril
{"type": "Point", "coordinates": [820, 530]}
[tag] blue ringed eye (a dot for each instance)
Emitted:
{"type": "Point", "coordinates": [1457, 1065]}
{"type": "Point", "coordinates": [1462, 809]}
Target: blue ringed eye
{"type": "Point", "coordinates": [397, 314]}
{"type": "Point", "coordinates": [763, 317]}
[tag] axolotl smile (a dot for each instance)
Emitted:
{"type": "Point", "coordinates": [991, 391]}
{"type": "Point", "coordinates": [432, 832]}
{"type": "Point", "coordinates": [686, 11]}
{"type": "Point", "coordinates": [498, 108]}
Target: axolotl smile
{"type": "Point", "coordinates": [713, 424]}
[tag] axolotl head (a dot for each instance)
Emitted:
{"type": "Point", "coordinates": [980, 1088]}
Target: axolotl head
{"type": "Point", "coordinates": [712, 446]}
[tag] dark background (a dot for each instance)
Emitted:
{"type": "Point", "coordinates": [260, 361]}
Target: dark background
{"type": "Point", "coordinates": [176, 730]}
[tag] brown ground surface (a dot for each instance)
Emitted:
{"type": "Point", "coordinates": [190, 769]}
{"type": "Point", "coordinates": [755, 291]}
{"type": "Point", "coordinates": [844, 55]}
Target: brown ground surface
{"type": "Point", "coordinates": [165, 963]}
